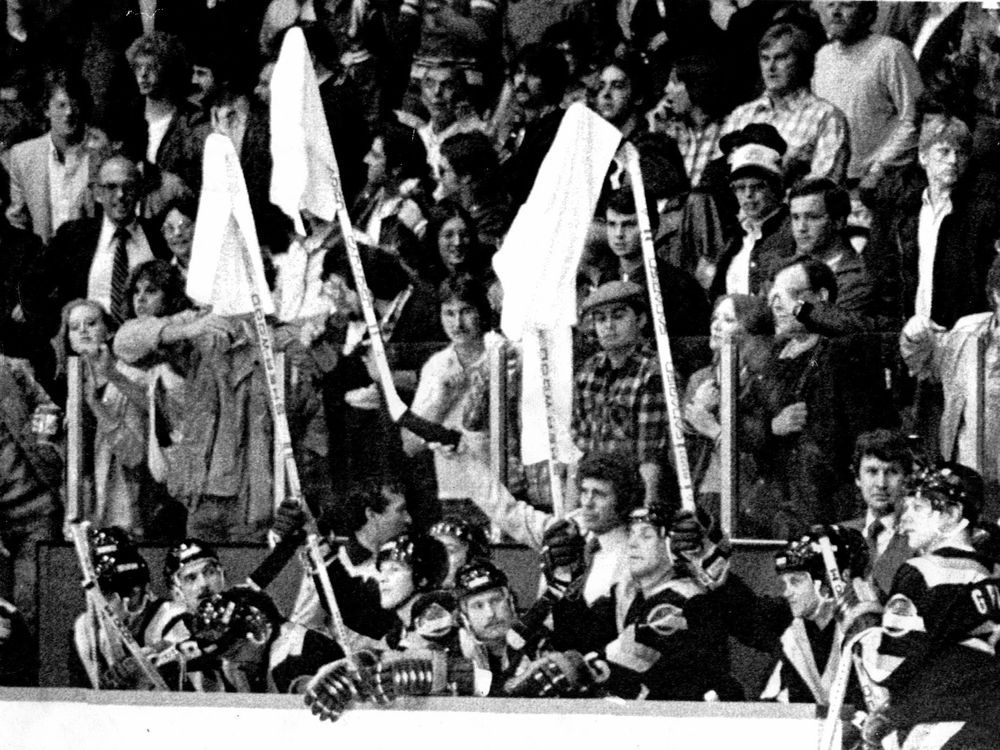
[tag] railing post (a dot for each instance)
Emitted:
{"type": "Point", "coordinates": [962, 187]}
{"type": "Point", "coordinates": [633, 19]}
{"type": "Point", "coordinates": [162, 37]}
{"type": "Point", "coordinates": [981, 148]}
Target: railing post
{"type": "Point", "coordinates": [728, 456]}
{"type": "Point", "coordinates": [497, 364]}
{"type": "Point", "coordinates": [74, 440]}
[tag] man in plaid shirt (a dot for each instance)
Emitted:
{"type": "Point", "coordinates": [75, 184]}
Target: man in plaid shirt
{"type": "Point", "coordinates": [816, 131]}
{"type": "Point", "coordinates": [618, 403]}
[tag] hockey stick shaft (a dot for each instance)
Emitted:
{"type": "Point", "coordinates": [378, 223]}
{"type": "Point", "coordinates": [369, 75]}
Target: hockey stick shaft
{"type": "Point", "coordinates": [555, 481]}
{"type": "Point", "coordinates": [336, 618]}
{"type": "Point", "coordinates": [667, 373]}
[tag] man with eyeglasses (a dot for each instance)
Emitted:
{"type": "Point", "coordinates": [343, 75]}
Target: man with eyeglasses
{"type": "Point", "coordinates": [92, 258]}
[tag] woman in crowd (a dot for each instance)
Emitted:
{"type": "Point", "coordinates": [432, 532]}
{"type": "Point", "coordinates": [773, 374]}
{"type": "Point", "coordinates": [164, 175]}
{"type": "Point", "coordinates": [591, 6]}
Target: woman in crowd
{"type": "Point", "coordinates": [115, 395]}
{"type": "Point", "coordinates": [736, 316]}
{"type": "Point", "coordinates": [453, 246]}
{"type": "Point", "coordinates": [445, 378]}
{"type": "Point", "coordinates": [178, 230]}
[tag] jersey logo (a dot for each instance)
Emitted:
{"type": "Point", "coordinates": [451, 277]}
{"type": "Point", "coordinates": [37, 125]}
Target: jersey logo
{"type": "Point", "coordinates": [666, 619]}
{"type": "Point", "coordinates": [900, 617]}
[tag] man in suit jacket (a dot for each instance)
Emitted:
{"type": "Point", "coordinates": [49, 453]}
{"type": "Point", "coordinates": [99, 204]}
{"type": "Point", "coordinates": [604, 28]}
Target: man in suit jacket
{"type": "Point", "coordinates": [79, 261]}
{"type": "Point", "coordinates": [50, 175]}
{"type": "Point", "coordinates": [882, 463]}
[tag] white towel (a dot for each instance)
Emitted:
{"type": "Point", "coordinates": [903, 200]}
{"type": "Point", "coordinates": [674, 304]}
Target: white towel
{"type": "Point", "coordinates": [537, 267]}
{"type": "Point", "coordinates": [217, 275]}
{"type": "Point", "coordinates": [305, 169]}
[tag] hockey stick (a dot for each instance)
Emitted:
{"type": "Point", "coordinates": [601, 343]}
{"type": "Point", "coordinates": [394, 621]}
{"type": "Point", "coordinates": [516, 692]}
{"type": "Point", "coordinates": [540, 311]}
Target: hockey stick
{"type": "Point", "coordinates": [555, 481]}
{"type": "Point", "coordinates": [667, 373]}
{"type": "Point", "coordinates": [398, 411]}
{"type": "Point", "coordinates": [81, 544]}
{"type": "Point", "coordinates": [848, 656]}
{"type": "Point", "coordinates": [336, 618]}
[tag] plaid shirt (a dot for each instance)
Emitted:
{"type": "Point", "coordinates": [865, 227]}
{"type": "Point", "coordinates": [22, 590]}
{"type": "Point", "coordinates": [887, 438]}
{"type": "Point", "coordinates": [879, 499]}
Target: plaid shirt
{"type": "Point", "coordinates": [697, 147]}
{"type": "Point", "coordinates": [814, 129]}
{"type": "Point", "coordinates": [621, 409]}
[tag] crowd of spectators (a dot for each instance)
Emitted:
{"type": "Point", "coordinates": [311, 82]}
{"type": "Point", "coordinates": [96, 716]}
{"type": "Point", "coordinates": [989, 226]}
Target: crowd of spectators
{"type": "Point", "coordinates": [823, 183]}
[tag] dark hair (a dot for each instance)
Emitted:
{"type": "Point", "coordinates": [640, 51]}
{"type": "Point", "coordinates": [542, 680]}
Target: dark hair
{"type": "Point", "coordinates": [371, 496]}
{"type": "Point", "coordinates": [622, 201]}
{"type": "Point", "coordinates": [71, 82]}
{"type": "Point", "coordinates": [818, 274]}
{"type": "Point", "coordinates": [405, 153]}
{"type": "Point", "coordinates": [185, 203]}
{"type": "Point", "coordinates": [320, 43]}
{"type": "Point", "coordinates": [885, 445]}
{"type": "Point", "coordinates": [622, 471]}
{"type": "Point", "coordinates": [163, 276]}
{"type": "Point", "coordinates": [438, 216]}
{"type": "Point", "coordinates": [385, 276]}
{"type": "Point", "coordinates": [570, 32]}
{"type": "Point", "coordinates": [634, 68]}
{"type": "Point", "coordinates": [801, 45]}
{"type": "Point", "coordinates": [703, 78]}
{"type": "Point", "coordinates": [549, 65]}
{"type": "Point", "coordinates": [471, 155]}
{"type": "Point", "coordinates": [463, 287]}
{"type": "Point", "coordinates": [171, 58]}
{"type": "Point", "coordinates": [227, 94]}
{"type": "Point", "coordinates": [835, 198]}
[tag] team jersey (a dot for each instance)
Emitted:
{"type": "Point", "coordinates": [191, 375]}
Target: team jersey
{"type": "Point", "coordinates": [940, 627]}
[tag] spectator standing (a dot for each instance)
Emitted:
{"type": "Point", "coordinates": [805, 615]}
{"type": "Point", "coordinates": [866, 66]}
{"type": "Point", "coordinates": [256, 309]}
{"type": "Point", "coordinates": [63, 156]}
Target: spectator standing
{"type": "Point", "coordinates": [814, 130]}
{"type": "Point", "coordinates": [50, 175]}
{"type": "Point", "coordinates": [950, 358]}
{"type": "Point", "coordinates": [929, 253]}
{"type": "Point", "coordinates": [91, 258]}
{"type": "Point", "coordinates": [873, 80]}
{"type": "Point", "coordinates": [174, 139]}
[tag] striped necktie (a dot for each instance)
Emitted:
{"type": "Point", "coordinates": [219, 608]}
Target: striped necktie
{"type": "Point", "coordinates": [119, 275]}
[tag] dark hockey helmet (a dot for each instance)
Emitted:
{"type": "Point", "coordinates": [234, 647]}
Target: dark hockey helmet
{"type": "Point", "coordinates": [426, 557]}
{"type": "Point", "coordinates": [186, 552]}
{"type": "Point", "coordinates": [949, 483]}
{"type": "Point", "coordinates": [658, 515]}
{"type": "Point", "coordinates": [477, 576]}
{"type": "Point", "coordinates": [472, 535]}
{"type": "Point", "coordinates": [233, 615]}
{"type": "Point", "coordinates": [119, 567]}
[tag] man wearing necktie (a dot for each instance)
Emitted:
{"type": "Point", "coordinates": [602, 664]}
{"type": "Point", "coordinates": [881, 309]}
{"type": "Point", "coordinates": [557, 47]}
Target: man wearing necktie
{"type": "Point", "coordinates": [882, 463]}
{"type": "Point", "coordinates": [92, 258]}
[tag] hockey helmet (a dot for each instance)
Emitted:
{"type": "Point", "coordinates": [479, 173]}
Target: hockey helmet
{"type": "Point", "coordinates": [426, 557]}
{"type": "Point", "coordinates": [471, 535]}
{"type": "Point", "coordinates": [478, 576]}
{"type": "Point", "coordinates": [949, 483]}
{"type": "Point", "coordinates": [658, 515]}
{"type": "Point", "coordinates": [186, 552]}
{"type": "Point", "coordinates": [119, 567]}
